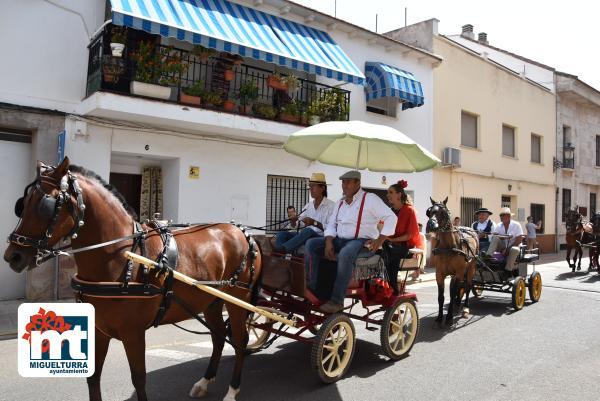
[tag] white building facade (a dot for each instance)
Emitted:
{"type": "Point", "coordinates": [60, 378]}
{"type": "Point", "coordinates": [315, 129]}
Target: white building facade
{"type": "Point", "coordinates": [216, 166]}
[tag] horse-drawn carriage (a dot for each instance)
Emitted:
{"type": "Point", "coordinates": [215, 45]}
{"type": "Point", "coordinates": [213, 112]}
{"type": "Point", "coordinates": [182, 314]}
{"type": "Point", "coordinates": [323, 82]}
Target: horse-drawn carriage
{"type": "Point", "coordinates": [332, 336]}
{"type": "Point", "coordinates": [582, 234]}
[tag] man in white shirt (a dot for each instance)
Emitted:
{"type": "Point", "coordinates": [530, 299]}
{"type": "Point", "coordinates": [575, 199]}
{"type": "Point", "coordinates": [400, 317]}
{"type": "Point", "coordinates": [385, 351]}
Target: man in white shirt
{"type": "Point", "coordinates": [514, 231]}
{"type": "Point", "coordinates": [484, 226]}
{"type": "Point", "coordinates": [352, 226]}
{"type": "Point", "coordinates": [314, 217]}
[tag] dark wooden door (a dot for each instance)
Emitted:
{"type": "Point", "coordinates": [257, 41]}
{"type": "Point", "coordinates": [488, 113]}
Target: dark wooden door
{"type": "Point", "coordinates": [130, 186]}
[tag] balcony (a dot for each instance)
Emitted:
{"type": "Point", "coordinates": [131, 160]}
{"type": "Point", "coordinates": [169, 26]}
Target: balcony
{"type": "Point", "coordinates": [210, 80]}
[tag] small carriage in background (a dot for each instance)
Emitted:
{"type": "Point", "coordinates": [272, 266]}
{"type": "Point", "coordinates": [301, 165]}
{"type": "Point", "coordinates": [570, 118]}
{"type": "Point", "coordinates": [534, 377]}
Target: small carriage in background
{"type": "Point", "coordinates": [332, 336]}
{"type": "Point", "coordinates": [491, 275]}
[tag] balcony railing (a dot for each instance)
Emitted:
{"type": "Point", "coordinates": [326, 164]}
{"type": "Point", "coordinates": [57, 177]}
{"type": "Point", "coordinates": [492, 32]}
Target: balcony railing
{"type": "Point", "coordinates": [223, 82]}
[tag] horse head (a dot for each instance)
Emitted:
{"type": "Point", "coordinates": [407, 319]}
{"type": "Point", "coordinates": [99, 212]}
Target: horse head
{"type": "Point", "coordinates": [572, 219]}
{"type": "Point", "coordinates": [439, 216]}
{"type": "Point", "coordinates": [595, 220]}
{"type": "Point", "coordinates": [50, 209]}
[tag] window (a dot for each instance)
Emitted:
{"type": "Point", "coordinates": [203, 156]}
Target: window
{"type": "Point", "coordinates": [468, 206]}
{"type": "Point", "coordinates": [566, 135]}
{"type": "Point", "coordinates": [505, 202]}
{"type": "Point", "coordinates": [508, 141]}
{"type": "Point", "coordinates": [468, 129]}
{"type": "Point", "coordinates": [566, 203]}
{"type": "Point", "coordinates": [15, 135]}
{"type": "Point", "coordinates": [386, 106]}
{"type": "Point", "coordinates": [536, 148]}
{"type": "Point", "coordinates": [282, 192]}
{"type": "Point", "coordinates": [598, 150]}
{"type": "Point", "coordinates": [592, 203]}
{"type": "Point", "coordinates": [538, 213]}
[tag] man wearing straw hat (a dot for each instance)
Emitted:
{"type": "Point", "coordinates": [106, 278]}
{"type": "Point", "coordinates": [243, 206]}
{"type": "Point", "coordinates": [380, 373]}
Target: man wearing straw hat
{"type": "Point", "coordinates": [513, 235]}
{"type": "Point", "coordinates": [352, 226]}
{"type": "Point", "coordinates": [314, 216]}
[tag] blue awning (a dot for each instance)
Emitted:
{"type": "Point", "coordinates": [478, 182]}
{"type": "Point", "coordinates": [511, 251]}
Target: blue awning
{"type": "Point", "coordinates": [236, 29]}
{"type": "Point", "coordinates": [386, 81]}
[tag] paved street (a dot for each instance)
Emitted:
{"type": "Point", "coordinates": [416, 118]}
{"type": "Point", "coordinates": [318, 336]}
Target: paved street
{"type": "Point", "coordinates": [547, 351]}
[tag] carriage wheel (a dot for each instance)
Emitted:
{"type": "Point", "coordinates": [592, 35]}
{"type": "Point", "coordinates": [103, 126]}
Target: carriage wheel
{"type": "Point", "coordinates": [399, 329]}
{"type": "Point", "coordinates": [333, 348]}
{"type": "Point", "coordinates": [257, 337]}
{"type": "Point", "coordinates": [535, 286]}
{"type": "Point", "coordinates": [477, 290]}
{"type": "Point", "coordinates": [518, 293]}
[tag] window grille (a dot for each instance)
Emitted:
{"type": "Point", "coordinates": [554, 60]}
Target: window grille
{"type": "Point", "coordinates": [283, 191]}
{"type": "Point", "coordinates": [592, 204]}
{"type": "Point", "coordinates": [566, 203]}
{"type": "Point", "coordinates": [505, 202]}
{"type": "Point", "coordinates": [468, 206]}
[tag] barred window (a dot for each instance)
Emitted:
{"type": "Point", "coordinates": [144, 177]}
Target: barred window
{"type": "Point", "coordinates": [283, 191]}
{"type": "Point", "coordinates": [566, 204]}
{"type": "Point", "coordinates": [592, 203]}
{"type": "Point", "coordinates": [468, 206]}
{"type": "Point", "coordinates": [505, 201]}
{"type": "Point", "coordinates": [538, 212]}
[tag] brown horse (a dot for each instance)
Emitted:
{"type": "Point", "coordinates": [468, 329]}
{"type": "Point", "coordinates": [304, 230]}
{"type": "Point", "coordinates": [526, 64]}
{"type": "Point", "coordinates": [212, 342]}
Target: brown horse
{"type": "Point", "coordinates": [454, 253]}
{"type": "Point", "coordinates": [53, 208]}
{"type": "Point", "coordinates": [573, 237]}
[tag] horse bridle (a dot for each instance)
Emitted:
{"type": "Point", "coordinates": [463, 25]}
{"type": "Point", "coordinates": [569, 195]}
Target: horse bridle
{"type": "Point", "coordinates": [432, 223]}
{"type": "Point", "coordinates": [49, 208]}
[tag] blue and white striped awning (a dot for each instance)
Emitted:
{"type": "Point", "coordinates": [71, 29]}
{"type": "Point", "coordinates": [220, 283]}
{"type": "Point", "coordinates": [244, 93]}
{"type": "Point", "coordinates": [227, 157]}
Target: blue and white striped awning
{"type": "Point", "coordinates": [233, 28]}
{"type": "Point", "coordinates": [386, 81]}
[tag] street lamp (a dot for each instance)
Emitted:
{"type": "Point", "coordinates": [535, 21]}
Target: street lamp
{"type": "Point", "coordinates": [568, 158]}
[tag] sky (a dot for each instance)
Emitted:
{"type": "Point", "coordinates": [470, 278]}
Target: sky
{"type": "Point", "coordinates": [560, 34]}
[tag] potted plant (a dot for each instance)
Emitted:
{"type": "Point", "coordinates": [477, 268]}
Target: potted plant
{"type": "Point", "coordinates": [228, 74]}
{"type": "Point", "coordinates": [118, 38]}
{"type": "Point", "coordinates": [291, 82]}
{"type": "Point", "coordinates": [112, 68]}
{"type": "Point", "coordinates": [192, 94]}
{"type": "Point", "coordinates": [330, 106]}
{"type": "Point", "coordinates": [248, 94]}
{"type": "Point", "coordinates": [155, 70]}
{"type": "Point", "coordinates": [212, 99]}
{"type": "Point", "coordinates": [275, 81]}
{"type": "Point", "coordinates": [204, 53]}
{"type": "Point", "coordinates": [314, 112]}
{"type": "Point", "coordinates": [290, 112]}
{"type": "Point", "coordinates": [265, 110]}
{"type": "Point", "coordinates": [229, 105]}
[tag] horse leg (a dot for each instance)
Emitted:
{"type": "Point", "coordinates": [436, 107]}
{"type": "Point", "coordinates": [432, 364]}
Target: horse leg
{"type": "Point", "coordinates": [458, 299]}
{"type": "Point", "coordinates": [239, 335]}
{"type": "Point", "coordinates": [214, 317]}
{"type": "Point", "coordinates": [93, 381]}
{"type": "Point", "coordinates": [468, 286]}
{"type": "Point", "coordinates": [453, 296]}
{"type": "Point", "coordinates": [580, 254]}
{"type": "Point", "coordinates": [135, 348]}
{"type": "Point", "coordinates": [440, 284]}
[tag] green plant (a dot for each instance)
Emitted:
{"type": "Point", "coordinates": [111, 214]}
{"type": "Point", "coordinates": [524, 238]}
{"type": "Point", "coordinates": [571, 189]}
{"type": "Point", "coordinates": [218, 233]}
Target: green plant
{"type": "Point", "coordinates": [330, 106]}
{"type": "Point", "coordinates": [248, 91]}
{"type": "Point", "coordinates": [291, 108]}
{"type": "Point", "coordinates": [265, 110]}
{"type": "Point", "coordinates": [161, 65]}
{"type": "Point", "coordinates": [118, 34]}
{"type": "Point", "coordinates": [197, 89]}
{"type": "Point", "coordinates": [203, 52]}
{"type": "Point", "coordinates": [291, 81]}
{"type": "Point", "coordinates": [213, 97]}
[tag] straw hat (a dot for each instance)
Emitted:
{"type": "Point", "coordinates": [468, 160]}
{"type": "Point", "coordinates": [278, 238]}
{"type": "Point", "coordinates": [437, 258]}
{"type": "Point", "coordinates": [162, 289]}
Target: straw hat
{"type": "Point", "coordinates": [317, 178]}
{"type": "Point", "coordinates": [505, 210]}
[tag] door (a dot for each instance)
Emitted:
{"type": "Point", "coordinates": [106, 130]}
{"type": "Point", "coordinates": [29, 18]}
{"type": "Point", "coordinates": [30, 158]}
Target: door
{"type": "Point", "coordinates": [15, 151]}
{"type": "Point", "coordinates": [130, 186]}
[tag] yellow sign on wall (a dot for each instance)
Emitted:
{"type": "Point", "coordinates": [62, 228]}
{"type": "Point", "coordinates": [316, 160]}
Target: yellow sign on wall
{"type": "Point", "coordinates": [194, 172]}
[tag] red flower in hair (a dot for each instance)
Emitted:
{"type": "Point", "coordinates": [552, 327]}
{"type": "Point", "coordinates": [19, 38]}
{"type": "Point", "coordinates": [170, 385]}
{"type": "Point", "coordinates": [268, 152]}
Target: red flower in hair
{"type": "Point", "coordinates": [403, 184]}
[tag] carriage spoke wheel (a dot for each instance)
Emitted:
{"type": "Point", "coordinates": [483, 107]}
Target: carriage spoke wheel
{"type": "Point", "coordinates": [333, 348]}
{"type": "Point", "coordinates": [518, 293]}
{"type": "Point", "coordinates": [257, 337]}
{"type": "Point", "coordinates": [399, 329]}
{"type": "Point", "coordinates": [535, 286]}
{"type": "Point", "coordinates": [477, 290]}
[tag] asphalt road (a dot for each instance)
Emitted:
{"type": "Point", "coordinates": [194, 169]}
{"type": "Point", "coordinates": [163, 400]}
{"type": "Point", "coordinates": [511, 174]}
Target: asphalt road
{"type": "Point", "coordinates": [547, 351]}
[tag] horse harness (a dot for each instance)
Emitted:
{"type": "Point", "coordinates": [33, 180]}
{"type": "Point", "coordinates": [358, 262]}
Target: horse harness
{"type": "Point", "coordinates": [469, 254]}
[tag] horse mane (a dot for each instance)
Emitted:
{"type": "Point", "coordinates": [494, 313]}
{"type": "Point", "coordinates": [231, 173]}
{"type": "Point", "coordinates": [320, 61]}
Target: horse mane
{"type": "Point", "coordinates": [92, 175]}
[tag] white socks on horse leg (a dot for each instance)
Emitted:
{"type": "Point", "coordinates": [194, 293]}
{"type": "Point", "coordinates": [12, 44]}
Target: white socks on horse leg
{"type": "Point", "coordinates": [230, 396]}
{"type": "Point", "coordinates": [200, 388]}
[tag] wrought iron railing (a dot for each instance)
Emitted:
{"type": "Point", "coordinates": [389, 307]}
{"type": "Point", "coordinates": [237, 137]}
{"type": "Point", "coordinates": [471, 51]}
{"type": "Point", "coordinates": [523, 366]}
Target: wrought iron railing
{"type": "Point", "coordinates": [222, 81]}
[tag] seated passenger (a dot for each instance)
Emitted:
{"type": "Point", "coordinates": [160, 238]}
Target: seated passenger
{"type": "Point", "coordinates": [314, 217]}
{"type": "Point", "coordinates": [406, 235]}
{"type": "Point", "coordinates": [508, 246]}
{"type": "Point", "coordinates": [352, 226]}
{"type": "Point", "coordinates": [484, 226]}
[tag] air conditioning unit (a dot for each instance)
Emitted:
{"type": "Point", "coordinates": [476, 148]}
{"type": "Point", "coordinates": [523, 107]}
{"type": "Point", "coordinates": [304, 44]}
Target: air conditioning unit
{"type": "Point", "coordinates": [451, 157]}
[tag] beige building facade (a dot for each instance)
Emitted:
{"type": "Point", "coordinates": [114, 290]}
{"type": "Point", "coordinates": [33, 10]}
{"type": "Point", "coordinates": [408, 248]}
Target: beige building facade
{"type": "Point", "coordinates": [494, 130]}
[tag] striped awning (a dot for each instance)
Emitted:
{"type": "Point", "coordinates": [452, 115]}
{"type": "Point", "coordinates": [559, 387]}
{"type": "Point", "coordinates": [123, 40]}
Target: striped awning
{"type": "Point", "coordinates": [386, 81]}
{"type": "Point", "coordinates": [236, 29]}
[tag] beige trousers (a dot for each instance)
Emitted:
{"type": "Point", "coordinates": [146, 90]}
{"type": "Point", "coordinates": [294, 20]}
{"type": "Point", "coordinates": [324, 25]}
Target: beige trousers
{"type": "Point", "coordinates": [498, 244]}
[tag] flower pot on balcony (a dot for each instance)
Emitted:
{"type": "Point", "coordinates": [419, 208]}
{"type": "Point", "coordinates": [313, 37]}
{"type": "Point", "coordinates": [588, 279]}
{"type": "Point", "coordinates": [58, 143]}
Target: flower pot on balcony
{"type": "Point", "coordinates": [289, 118]}
{"type": "Point", "coordinates": [228, 75]}
{"type": "Point", "coordinates": [229, 105]}
{"type": "Point", "coordinates": [247, 109]}
{"type": "Point", "coordinates": [112, 68]}
{"type": "Point", "coordinates": [117, 49]}
{"type": "Point", "coordinates": [150, 90]}
{"type": "Point", "coordinates": [187, 99]}
{"type": "Point", "coordinates": [275, 83]}
{"type": "Point", "coordinates": [313, 120]}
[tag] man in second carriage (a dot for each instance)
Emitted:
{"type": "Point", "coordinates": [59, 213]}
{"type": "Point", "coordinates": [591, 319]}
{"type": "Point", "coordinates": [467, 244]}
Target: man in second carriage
{"type": "Point", "coordinates": [352, 225]}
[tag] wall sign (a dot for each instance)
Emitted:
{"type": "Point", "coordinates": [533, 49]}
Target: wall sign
{"type": "Point", "coordinates": [194, 172]}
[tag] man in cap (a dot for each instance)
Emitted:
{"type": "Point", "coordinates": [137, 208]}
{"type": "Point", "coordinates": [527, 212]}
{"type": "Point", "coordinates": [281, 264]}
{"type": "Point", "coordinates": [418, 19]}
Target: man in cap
{"type": "Point", "coordinates": [352, 226]}
{"type": "Point", "coordinates": [314, 217]}
{"type": "Point", "coordinates": [513, 233]}
{"type": "Point", "coordinates": [484, 226]}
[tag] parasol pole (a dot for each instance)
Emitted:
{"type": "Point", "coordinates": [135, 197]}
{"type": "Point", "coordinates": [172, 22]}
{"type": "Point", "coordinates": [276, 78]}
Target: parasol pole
{"type": "Point", "coordinates": [358, 153]}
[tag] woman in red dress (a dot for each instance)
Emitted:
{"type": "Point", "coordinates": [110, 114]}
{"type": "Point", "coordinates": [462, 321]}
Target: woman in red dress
{"type": "Point", "coordinates": [406, 235]}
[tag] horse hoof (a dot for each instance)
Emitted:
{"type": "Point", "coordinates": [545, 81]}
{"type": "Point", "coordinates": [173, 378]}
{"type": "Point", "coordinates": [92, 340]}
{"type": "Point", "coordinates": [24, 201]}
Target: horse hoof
{"type": "Point", "coordinates": [578, 268]}
{"type": "Point", "coordinates": [230, 396]}
{"type": "Point", "coordinates": [465, 313]}
{"type": "Point", "coordinates": [200, 388]}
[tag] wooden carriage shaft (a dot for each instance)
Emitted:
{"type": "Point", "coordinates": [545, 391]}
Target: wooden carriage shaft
{"type": "Point", "coordinates": [212, 291]}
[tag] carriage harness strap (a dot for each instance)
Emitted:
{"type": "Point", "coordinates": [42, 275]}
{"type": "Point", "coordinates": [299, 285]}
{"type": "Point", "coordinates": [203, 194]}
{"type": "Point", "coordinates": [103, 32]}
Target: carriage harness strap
{"type": "Point", "coordinates": [469, 254]}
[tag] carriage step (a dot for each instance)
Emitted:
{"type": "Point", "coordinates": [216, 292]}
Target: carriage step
{"type": "Point", "coordinates": [372, 328]}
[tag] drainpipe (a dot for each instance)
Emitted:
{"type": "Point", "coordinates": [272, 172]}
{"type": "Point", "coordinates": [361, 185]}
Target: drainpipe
{"type": "Point", "coordinates": [556, 194]}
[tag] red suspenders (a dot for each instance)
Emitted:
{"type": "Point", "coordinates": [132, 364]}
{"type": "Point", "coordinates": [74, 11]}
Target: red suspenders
{"type": "Point", "coordinates": [360, 212]}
